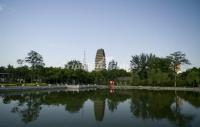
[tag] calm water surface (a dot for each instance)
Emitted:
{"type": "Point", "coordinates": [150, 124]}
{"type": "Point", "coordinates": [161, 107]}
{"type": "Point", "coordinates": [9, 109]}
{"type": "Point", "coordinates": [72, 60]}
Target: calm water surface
{"type": "Point", "coordinates": [100, 108]}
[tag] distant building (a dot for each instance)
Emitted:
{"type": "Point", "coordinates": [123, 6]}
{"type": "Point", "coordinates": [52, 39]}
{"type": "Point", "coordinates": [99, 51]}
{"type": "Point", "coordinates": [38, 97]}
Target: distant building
{"type": "Point", "coordinates": [100, 60]}
{"type": "Point", "coordinates": [74, 65]}
{"type": "Point", "coordinates": [112, 65]}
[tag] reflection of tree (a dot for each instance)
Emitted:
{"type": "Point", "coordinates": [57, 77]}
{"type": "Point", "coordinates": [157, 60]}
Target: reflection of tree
{"type": "Point", "coordinates": [193, 98]}
{"type": "Point", "coordinates": [180, 119]}
{"type": "Point", "coordinates": [114, 100]}
{"type": "Point", "coordinates": [6, 100]}
{"type": "Point", "coordinates": [179, 103]}
{"type": "Point", "coordinates": [112, 105]}
{"type": "Point", "coordinates": [29, 113]}
{"type": "Point", "coordinates": [73, 102]}
{"type": "Point", "coordinates": [28, 106]}
{"type": "Point", "coordinates": [144, 104]}
{"type": "Point", "coordinates": [154, 105]}
{"type": "Point", "coordinates": [140, 109]}
{"type": "Point", "coordinates": [157, 105]}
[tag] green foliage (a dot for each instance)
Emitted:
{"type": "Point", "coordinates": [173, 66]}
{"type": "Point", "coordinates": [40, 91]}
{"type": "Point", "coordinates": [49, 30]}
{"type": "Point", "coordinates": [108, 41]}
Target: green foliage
{"type": "Point", "coordinates": [35, 59]}
{"type": "Point", "coordinates": [140, 63]}
{"type": "Point", "coordinates": [135, 79]}
{"type": "Point", "coordinates": [103, 77]}
{"type": "Point", "coordinates": [193, 76]}
{"type": "Point", "coordinates": [177, 59]}
{"type": "Point", "coordinates": [55, 75]}
{"type": "Point", "coordinates": [148, 69]}
{"type": "Point", "coordinates": [157, 77]}
{"type": "Point", "coordinates": [74, 64]}
{"type": "Point", "coordinates": [112, 65]}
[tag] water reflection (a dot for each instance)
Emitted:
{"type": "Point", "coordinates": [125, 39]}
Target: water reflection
{"type": "Point", "coordinates": [179, 109]}
{"type": "Point", "coordinates": [99, 109]}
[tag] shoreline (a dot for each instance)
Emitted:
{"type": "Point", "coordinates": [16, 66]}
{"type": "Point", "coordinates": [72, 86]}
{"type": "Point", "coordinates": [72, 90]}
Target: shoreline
{"type": "Point", "coordinates": [81, 87]}
{"type": "Point", "coordinates": [157, 88]}
{"type": "Point", "coordinates": [52, 87]}
{"type": "Point", "coordinates": [154, 88]}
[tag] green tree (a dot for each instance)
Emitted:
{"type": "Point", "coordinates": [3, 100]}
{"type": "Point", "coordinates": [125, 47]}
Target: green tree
{"type": "Point", "coordinates": [37, 63]}
{"type": "Point", "coordinates": [23, 74]}
{"type": "Point", "coordinates": [139, 64]}
{"type": "Point", "coordinates": [177, 59]}
{"type": "Point", "coordinates": [20, 62]}
{"type": "Point", "coordinates": [35, 59]}
{"type": "Point", "coordinates": [74, 65]}
{"type": "Point", "coordinates": [193, 77]}
{"type": "Point", "coordinates": [112, 65]}
{"type": "Point", "coordinates": [157, 77]}
{"type": "Point", "coordinates": [135, 79]}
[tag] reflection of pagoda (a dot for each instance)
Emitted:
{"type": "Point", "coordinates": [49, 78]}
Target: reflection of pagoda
{"type": "Point", "coordinates": [99, 109]}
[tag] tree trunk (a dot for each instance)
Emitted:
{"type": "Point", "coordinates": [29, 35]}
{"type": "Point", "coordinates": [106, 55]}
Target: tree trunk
{"type": "Point", "coordinates": [175, 75]}
{"type": "Point", "coordinates": [175, 80]}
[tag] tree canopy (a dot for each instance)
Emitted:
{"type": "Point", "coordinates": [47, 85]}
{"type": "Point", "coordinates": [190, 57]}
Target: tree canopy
{"type": "Point", "coordinates": [177, 59]}
{"type": "Point", "coordinates": [35, 59]}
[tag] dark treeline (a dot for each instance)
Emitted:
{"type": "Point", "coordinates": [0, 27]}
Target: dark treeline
{"type": "Point", "coordinates": [55, 75]}
{"type": "Point", "coordinates": [146, 69]}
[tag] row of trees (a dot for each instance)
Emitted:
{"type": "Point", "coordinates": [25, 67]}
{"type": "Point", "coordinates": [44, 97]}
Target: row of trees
{"type": "Point", "coordinates": [146, 69]}
{"type": "Point", "coordinates": [55, 75]}
{"type": "Point", "coordinates": [152, 70]}
{"type": "Point", "coordinates": [73, 73]}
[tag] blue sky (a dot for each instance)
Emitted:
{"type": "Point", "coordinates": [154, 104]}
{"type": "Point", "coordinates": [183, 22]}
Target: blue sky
{"type": "Point", "coordinates": [62, 30]}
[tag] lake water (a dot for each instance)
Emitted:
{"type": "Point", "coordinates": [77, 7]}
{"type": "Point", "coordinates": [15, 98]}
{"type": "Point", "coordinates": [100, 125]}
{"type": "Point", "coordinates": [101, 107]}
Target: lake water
{"type": "Point", "coordinates": [99, 108]}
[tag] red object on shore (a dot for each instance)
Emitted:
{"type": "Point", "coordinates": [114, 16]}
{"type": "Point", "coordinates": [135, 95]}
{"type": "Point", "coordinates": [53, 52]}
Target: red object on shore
{"type": "Point", "coordinates": [111, 86]}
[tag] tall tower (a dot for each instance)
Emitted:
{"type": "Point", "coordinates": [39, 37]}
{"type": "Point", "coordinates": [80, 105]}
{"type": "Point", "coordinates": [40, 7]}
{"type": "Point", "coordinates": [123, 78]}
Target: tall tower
{"type": "Point", "coordinates": [100, 60]}
{"type": "Point", "coordinates": [85, 66]}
